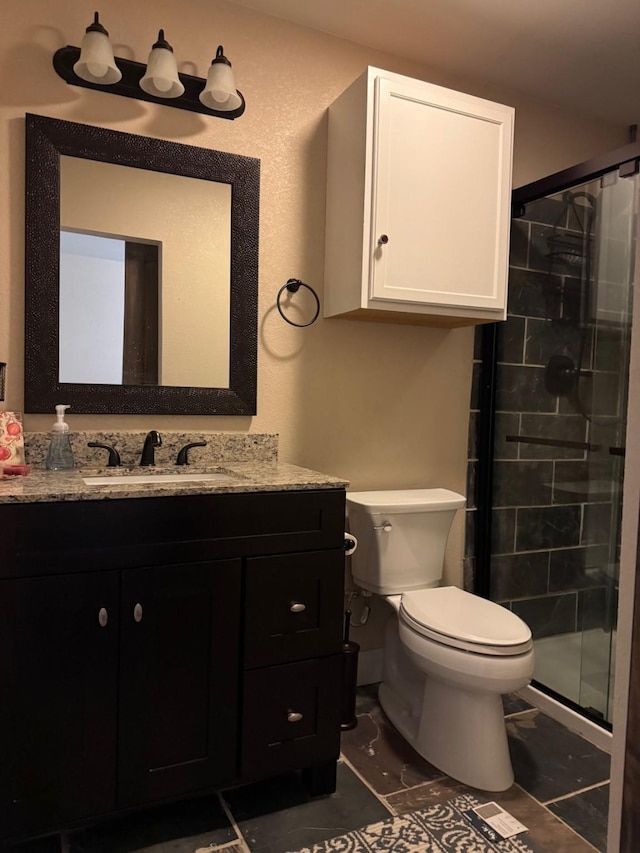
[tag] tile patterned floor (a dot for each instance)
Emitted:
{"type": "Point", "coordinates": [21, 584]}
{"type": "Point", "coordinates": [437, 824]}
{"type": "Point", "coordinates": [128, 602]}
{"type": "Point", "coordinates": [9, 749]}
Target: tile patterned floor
{"type": "Point", "coordinates": [561, 795]}
{"type": "Point", "coordinates": [562, 781]}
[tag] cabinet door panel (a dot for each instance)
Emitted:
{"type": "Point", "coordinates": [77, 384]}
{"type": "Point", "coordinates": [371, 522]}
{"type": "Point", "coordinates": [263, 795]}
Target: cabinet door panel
{"type": "Point", "coordinates": [442, 188]}
{"type": "Point", "coordinates": [294, 607]}
{"type": "Point", "coordinates": [58, 676]}
{"type": "Point", "coordinates": [178, 679]}
{"type": "Point", "coordinates": [291, 716]}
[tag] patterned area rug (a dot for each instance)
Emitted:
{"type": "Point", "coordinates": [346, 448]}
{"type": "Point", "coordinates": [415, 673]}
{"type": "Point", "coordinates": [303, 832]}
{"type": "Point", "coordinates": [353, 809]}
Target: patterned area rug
{"type": "Point", "coordinates": [442, 828]}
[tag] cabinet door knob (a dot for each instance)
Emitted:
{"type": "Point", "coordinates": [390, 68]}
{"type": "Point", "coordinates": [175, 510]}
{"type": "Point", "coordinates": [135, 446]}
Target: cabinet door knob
{"type": "Point", "coordinates": [383, 239]}
{"type": "Point", "coordinates": [294, 717]}
{"type": "Point", "coordinates": [297, 607]}
{"type": "Point", "coordinates": [137, 612]}
{"type": "Point", "coordinates": [103, 617]}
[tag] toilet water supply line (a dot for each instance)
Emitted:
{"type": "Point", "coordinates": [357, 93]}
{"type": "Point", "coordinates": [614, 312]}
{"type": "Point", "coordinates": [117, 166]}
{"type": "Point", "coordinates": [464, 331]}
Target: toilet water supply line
{"type": "Point", "coordinates": [350, 545]}
{"type": "Point", "coordinates": [366, 607]}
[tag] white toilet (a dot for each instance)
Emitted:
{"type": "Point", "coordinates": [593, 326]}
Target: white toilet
{"type": "Point", "coordinates": [449, 655]}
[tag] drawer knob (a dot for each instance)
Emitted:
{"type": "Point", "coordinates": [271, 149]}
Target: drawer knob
{"type": "Point", "coordinates": [103, 617]}
{"type": "Point", "coordinates": [297, 607]}
{"type": "Point", "coordinates": [294, 717]}
{"type": "Point", "coordinates": [137, 612]}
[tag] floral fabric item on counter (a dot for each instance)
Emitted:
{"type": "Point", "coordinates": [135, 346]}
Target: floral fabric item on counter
{"type": "Point", "coordinates": [11, 439]}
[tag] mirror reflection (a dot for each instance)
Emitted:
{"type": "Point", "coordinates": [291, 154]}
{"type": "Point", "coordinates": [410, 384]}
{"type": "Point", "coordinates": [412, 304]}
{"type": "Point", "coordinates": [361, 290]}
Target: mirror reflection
{"type": "Point", "coordinates": [144, 277]}
{"type": "Point", "coordinates": [109, 294]}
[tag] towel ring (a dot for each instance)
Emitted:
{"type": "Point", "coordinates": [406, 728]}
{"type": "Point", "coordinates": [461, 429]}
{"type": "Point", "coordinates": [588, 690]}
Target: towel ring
{"type": "Point", "coordinates": [292, 286]}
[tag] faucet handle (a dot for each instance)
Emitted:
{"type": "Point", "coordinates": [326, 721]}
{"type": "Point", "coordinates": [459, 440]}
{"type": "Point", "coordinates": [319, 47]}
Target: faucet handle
{"type": "Point", "coordinates": [183, 454]}
{"type": "Point", "coordinates": [114, 457]}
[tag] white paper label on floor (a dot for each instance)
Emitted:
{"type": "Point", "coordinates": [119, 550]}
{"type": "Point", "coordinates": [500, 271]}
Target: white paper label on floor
{"type": "Point", "coordinates": [504, 824]}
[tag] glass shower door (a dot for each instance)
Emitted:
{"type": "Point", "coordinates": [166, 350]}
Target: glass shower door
{"type": "Point", "coordinates": [561, 396]}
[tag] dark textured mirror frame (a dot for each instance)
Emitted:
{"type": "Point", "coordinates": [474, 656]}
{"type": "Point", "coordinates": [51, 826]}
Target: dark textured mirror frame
{"type": "Point", "coordinates": [46, 140]}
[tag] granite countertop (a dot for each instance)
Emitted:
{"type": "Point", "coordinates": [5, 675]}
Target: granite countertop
{"type": "Point", "coordinates": [42, 486]}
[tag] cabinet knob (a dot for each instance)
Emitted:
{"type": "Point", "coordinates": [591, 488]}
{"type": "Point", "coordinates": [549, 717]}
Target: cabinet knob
{"type": "Point", "coordinates": [294, 717]}
{"type": "Point", "coordinates": [297, 607]}
{"type": "Point", "coordinates": [137, 612]}
{"type": "Point", "coordinates": [103, 617]}
{"type": "Point", "coordinates": [383, 239]}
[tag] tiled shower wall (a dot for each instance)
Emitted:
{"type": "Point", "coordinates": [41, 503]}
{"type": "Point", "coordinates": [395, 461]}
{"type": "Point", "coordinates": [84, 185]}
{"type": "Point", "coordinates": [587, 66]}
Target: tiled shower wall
{"type": "Point", "coordinates": [555, 509]}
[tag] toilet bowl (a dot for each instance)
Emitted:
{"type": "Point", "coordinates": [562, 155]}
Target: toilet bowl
{"type": "Point", "coordinates": [449, 655]}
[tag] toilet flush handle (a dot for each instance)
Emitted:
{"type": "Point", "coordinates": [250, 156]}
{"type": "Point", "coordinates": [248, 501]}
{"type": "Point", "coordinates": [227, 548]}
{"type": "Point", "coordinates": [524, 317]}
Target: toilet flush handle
{"type": "Point", "coordinates": [386, 526]}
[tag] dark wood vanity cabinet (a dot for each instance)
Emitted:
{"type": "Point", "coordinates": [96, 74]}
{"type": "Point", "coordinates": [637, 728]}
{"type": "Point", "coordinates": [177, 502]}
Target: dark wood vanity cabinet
{"type": "Point", "coordinates": [129, 675]}
{"type": "Point", "coordinates": [291, 660]}
{"type": "Point", "coordinates": [178, 679]}
{"type": "Point", "coordinates": [58, 700]}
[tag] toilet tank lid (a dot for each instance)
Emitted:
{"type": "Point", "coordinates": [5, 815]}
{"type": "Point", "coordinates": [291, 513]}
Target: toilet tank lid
{"type": "Point", "coordinates": [406, 500]}
{"type": "Point", "coordinates": [453, 612]}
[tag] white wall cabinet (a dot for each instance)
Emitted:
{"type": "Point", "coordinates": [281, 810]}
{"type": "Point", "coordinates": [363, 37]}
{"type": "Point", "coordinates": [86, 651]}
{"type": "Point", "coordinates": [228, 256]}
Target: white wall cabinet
{"type": "Point", "coordinates": [418, 204]}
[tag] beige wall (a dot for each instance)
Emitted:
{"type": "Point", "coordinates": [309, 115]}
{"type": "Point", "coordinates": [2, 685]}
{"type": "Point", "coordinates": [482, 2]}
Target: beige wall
{"type": "Point", "coordinates": [382, 405]}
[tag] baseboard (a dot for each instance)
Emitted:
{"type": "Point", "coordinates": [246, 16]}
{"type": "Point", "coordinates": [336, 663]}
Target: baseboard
{"type": "Point", "coordinates": [370, 666]}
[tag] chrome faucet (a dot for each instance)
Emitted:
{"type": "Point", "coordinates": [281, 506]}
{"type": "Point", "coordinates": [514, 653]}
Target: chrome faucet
{"type": "Point", "coordinates": [151, 441]}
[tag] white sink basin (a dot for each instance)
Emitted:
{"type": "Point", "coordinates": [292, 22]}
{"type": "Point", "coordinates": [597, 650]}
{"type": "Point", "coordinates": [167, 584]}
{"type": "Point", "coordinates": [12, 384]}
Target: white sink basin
{"type": "Point", "coordinates": [151, 478]}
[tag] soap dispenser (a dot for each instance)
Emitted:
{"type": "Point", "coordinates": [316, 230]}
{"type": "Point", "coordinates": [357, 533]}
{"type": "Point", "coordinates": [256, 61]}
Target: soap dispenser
{"type": "Point", "coordinates": [60, 455]}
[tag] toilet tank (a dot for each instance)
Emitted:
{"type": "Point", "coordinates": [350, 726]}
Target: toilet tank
{"type": "Point", "coordinates": [401, 536]}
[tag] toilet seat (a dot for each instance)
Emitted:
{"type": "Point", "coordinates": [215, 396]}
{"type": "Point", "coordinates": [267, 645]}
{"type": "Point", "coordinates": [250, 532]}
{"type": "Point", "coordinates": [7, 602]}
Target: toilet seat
{"type": "Point", "coordinates": [456, 618]}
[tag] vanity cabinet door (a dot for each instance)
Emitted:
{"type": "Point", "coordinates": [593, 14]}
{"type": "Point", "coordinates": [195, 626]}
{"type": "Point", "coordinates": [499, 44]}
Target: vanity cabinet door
{"type": "Point", "coordinates": [58, 692]}
{"type": "Point", "coordinates": [178, 679]}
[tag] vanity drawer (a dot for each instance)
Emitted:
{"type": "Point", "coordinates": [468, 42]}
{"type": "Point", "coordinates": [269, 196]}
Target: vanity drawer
{"type": "Point", "coordinates": [79, 536]}
{"type": "Point", "coordinates": [291, 716]}
{"type": "Point", "coordinates": [294, 607]}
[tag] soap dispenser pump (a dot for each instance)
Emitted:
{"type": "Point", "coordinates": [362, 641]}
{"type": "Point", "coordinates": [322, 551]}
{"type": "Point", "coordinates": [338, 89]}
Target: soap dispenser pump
{"type": "Point", "coordinates": [60, 454]}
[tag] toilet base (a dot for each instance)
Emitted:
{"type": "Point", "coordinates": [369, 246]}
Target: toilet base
{"type": "Point", "coordinates": [464, 734]}
{"type": "Point", "coordinates": [460, 732]}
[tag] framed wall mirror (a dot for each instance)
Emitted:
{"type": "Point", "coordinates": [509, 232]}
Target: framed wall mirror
{"type": "Point", "coordinates": [141, 274]}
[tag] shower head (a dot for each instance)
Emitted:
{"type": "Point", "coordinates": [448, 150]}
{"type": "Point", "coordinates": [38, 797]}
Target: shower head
{"type": "Point", "coordinates": [570, 256]}
{"type": "Point", "coordinates": [566, 245]}
{"type": "Point", "coordinates": [569, 197]}
{"type": "Point", "coordinates": [566, 248]}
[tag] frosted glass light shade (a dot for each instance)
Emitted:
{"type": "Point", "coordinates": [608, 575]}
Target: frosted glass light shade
{"type": "Point", "coordinates": [161, 77]}
{"type": "Point", "coordinates": [220, 91]}
{"type": "Point", "coordinates": [96, 63]}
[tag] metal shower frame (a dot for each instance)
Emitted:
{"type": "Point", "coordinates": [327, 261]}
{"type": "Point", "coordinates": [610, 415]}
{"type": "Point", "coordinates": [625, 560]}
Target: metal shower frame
{"type": "Point", "coordinates": [627, 161]}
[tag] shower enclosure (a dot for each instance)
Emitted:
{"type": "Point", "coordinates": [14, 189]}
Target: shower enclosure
{"type": "Point", "coordinates": [548, 457]}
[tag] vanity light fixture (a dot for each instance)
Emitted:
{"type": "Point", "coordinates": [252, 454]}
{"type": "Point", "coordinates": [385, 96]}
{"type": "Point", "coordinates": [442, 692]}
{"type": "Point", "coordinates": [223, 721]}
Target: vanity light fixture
{"type": "Point", "coordinates": [94, 66]}
{"type": "Point", "coordinates": [96, 63]}
{"type": "Point", "coordinates": [161, 77]}
{"type": "Point", "coordinates": [220, 93]}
